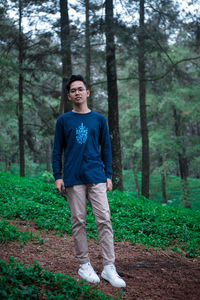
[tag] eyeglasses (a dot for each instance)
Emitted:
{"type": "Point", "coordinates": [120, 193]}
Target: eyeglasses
{"type": "Point", "coordinates": [80, 90]}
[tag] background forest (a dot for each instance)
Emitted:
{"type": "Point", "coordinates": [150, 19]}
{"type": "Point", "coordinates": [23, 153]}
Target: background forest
{"type": "Point", "coordinates": [142, 63]}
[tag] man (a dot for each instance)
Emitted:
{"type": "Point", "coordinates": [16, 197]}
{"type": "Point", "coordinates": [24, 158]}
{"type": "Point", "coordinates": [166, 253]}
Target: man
{"type": "Point", "coordinates": [83, 136]}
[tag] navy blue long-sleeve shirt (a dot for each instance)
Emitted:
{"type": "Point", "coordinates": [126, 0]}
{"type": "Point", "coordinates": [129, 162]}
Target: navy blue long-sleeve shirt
{"type": "Point", "coordinates": [87, 149]}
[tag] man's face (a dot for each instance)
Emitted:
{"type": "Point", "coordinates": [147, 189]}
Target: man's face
{"type": "Point", "coordinates": [78, 93]}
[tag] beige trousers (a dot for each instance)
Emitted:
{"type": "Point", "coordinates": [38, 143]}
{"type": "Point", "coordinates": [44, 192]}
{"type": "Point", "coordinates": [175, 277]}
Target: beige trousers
{"type": "Point", "coordinates": [97, 197]}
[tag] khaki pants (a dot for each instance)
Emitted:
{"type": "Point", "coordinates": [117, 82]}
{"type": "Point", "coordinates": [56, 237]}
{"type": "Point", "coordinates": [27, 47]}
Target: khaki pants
{"type": "Point", "coordinates": [97, 197]}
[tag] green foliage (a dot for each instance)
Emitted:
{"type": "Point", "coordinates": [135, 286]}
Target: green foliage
{"type": "Point", "coordinates": [48, 177]}
{"type": "Point", "coordinates": [10, 233]}
{"type": "Point", "coordinates": [34, 282]}
{"type": "Point", "coordinates": [31, 198]}
{"type": "Point", "coordinates": [143, 221]}
{"type": "Point", "coordinates": [173, 187]}
{"type": "Point", "coordinates": [137, 220]}
{"type": "Point", "coordinates": [31, 169]}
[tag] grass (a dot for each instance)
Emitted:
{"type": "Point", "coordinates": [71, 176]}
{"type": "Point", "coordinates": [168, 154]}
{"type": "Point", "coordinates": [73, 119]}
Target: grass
{"type": "Point", "coordinates": [173, 189]}
{"type": "Point", "coordinates": [144, 221]}
{"type": "Point", "coordinates": [173, 183]}
{"type": "Point", "coordinates": [10, 233]}
{"type": "Point", "coordinates": [137, 220]}
{"type": "Point", "coordinates": [34, 282]}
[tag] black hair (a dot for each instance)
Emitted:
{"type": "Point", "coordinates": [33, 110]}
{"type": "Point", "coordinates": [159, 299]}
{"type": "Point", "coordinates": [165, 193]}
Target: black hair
{"type": "Point", "coordinates": [75, 78]}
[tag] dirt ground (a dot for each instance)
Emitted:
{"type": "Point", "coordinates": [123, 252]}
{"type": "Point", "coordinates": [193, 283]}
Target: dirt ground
{"type": "Point", "coordinates": [149, 274]}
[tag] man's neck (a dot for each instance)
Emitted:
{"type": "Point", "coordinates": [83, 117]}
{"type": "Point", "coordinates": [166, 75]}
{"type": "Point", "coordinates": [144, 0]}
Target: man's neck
{"type": "Point", "coordinates": [81, 109]}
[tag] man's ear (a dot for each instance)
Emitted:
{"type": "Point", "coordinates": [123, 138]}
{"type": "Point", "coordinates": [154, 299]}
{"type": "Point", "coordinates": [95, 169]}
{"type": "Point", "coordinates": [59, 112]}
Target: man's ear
{"type": "Point", "coordinates": [68, 96]}
{"type": "Point", "coordinates": [88, 93]}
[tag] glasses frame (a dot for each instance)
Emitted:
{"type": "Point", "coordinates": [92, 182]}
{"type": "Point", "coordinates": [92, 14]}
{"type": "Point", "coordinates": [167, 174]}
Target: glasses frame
{"type": "Point", "coordinates": [80, 90]}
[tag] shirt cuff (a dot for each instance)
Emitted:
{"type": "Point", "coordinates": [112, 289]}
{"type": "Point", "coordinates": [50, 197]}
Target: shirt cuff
{"type": "Point", "coordinates": [108, 175]}
{"type": "Point", "coordinates": [57, 176]}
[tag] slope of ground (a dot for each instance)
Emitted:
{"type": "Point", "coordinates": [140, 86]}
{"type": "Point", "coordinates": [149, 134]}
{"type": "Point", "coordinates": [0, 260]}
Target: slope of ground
{"type": "Point", "coordinates": [149, 273]}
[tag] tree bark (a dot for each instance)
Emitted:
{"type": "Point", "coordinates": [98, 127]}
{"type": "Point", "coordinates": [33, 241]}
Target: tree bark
{"type": "Point", "coordinates": [48, 155]}
{"type": "Point", "coordinates": [20, 111]}
{"type": "Point", "coordinates": [163, 182]}
{"type": "Point", "coordinates": [142, 99]}
{"type": "Point", "coordinates": [113, 118]}
{"type": "Point", "coordinates": [136, 182]}
{"type": "Point", "coordinates": [28, 136]}
{"type": "Point", "coordinates": [183, 164]}
{"type": "Point", "coordinates": [8, 164]}
{"type": "Point", "coordinates": [88, 50]}
{"type": "Point", "coordinates": [65, 105]}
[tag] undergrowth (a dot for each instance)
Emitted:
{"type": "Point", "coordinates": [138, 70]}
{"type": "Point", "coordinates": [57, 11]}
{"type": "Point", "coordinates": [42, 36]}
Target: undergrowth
{"type": "Point", "coordinates": [137, 220]}
{"type": "Point", "coordinates": [11, 233]}
{"type": "Point", "coordinates": [34, 282]}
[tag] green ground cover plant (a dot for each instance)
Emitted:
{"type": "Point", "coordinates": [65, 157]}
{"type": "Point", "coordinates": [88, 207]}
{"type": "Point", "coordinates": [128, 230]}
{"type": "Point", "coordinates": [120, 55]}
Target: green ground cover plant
{"type": "Point", "coordinates": [10, 233]}
{"type": "Point", "coordinates": [144, 221]}
{"type": "Point", "coordinates": [34, 282]}
{"type": "Point", "coordinates": [138, 220]}
{"type": "Point", "coordinates": [173, 188]}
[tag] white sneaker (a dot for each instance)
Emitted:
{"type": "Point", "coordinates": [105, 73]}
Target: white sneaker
{"type": "Point", "coordinates": [110, 274]}
{"type": "Point", "coordinates": [87, 272]}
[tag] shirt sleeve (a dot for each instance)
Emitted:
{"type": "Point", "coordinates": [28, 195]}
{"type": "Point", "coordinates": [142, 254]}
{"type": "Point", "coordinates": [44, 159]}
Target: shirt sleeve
{"type": "Point", "coordinates": [106, 151]}
{"type": "Point", "coordinates": [57, 150]}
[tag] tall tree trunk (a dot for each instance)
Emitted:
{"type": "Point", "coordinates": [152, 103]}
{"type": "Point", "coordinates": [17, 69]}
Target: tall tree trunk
{"type": "Point", "coordinates": [142, 99]}
{"type": "Point", "coordinates": [198, 134]}
{"type": "Point", "coordinates": [20, 111]}
{"type": "Point", "coordinates": [136, 182]}
{"type": "Point", "coordinates": [163, 181]}
{"type": "Point", "coordinates": [113, 118]}
{"type": "Point", "coordinates": [88, 50]}
{"type": "Point", "coordinates": [197, 33]}
{"type": "Point", "coordinates": [183, 164]}
{"type": "Point", "coordinates": [65, 105]}
{"type": "Point", "coordinates": [48, 155]}
{"type": "Point", "coordinates": [163, 184]}
{"type": "Point", "coordinates": [8, 164]}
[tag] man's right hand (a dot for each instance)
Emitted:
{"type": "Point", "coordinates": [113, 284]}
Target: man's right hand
{"type": "Point", "coordinates": [59, 185]}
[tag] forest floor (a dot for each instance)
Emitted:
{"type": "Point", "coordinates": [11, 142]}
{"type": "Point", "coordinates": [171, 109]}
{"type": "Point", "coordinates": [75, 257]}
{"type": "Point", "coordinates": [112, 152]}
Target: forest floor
{"type": "Point", "coordinates": [149, 273]}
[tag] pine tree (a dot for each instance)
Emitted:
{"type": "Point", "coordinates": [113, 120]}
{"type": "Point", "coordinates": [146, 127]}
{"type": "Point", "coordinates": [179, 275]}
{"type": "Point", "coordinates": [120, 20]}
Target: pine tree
{"type": "Point", "coordinates": [113, 117]}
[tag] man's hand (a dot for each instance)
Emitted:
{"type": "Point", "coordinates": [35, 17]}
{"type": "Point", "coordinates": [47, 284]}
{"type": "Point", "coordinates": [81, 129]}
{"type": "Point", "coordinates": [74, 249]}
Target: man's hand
{"type": "Point", "coordinates": [109, 184]}
{"type": "Point", "coordinates": [59, 185]}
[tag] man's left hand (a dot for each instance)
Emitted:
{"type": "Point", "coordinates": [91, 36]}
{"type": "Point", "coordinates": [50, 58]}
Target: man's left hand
{"type": "Point", "coordinates": [109, 184]}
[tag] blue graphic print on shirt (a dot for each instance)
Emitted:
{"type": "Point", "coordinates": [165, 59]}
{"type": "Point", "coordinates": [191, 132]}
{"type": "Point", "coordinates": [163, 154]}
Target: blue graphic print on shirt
{"type": "Point", "coordinates": [81, 134]}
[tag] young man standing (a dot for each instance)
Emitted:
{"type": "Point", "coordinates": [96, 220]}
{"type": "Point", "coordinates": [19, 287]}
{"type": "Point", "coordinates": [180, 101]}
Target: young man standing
{"type": "Point", "coordinates": [83, 136]}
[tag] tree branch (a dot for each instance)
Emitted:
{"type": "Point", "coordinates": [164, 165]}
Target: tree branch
{"type": "Point", "coordinates": [153, 78]}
